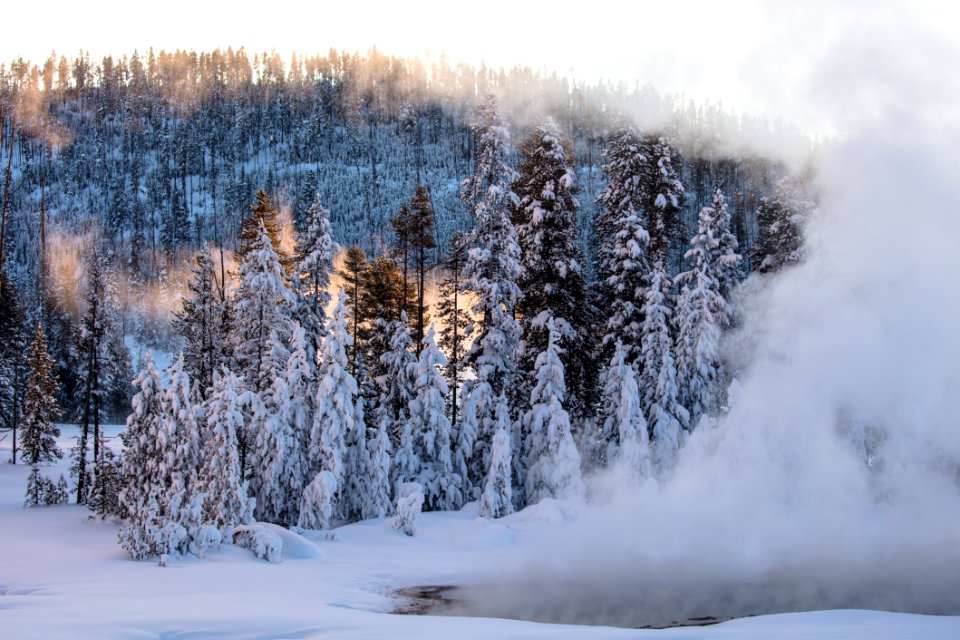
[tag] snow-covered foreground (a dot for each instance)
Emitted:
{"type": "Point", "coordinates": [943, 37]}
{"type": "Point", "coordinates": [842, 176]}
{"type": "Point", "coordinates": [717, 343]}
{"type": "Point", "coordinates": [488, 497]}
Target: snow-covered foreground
{"type": "Point", "coordinates": [62, 575]}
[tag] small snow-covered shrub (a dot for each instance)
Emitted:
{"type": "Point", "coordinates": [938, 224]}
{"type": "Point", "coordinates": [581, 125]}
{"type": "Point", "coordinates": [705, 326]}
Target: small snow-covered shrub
{"type": "Point", "coordinates": [41, 490]}
{"type": "Point", "coordinates": [264, 543]}
{"type": "Point", "coordinates": [316, 506]}
{"type": "Point", "coordinates": [206, 537]}
{"type": "Point", "coordinates": [409, 505]}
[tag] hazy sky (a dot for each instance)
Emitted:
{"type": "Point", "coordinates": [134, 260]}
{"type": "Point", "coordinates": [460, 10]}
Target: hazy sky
{"type": "Point", "coordinates": [757, 56]}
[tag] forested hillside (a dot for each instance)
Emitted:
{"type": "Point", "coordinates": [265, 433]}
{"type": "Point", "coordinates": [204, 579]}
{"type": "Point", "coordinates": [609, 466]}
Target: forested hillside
{"type": "Point", "coordinates": [533, 279]}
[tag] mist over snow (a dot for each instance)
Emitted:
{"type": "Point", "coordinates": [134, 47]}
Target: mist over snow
{"type": "Point", "coordinates": [834, 480]}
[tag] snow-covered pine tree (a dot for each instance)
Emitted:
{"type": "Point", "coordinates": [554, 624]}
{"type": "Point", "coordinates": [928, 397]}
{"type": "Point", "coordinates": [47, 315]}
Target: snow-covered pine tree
{"type": "Point", "coordinates": [201, 322]}
{"type": "Point", "coordinates": [104, 491]}
{"type": "Point", "coordinates": [490, 273]}
{"type": "Point", "coordinates": [496, 500]}
{"type": "Point", "coordinates": [38, 430]}
{"type": "Point", "coordinates": [353, 271]}
{"type": "Point", "coordinates": [316, 250]}
{"type": "Point", "coordinates": [301, 388]}
{"type": "Point", "coordinates": [658, 381]}
{"type": "Point", "coordinates": [727, 263]}
{"type": "Point", "coordinates": [552, 280]}
{"type": "Point", "coordinates": [454, 321]}
{"type": "Point", "coordinates": [262, 305]}
{"type": "Point", "coordinates": [334, 417]}
{"type": "Point", "coordinates": [93, 354]}
{"type": "Point", "coordinates": [701, 313]}
{"type": "Point", "coordinates": [663, 192]}
{"type": "Point", "coordinates": [781, 220]}
{"type": "Point", "coordinates": [276, 478]}
{"type": "Point", "coordinates": [431, 430]}
{"type": "Point", "coordinates": [358, 468]}
{"type": "Point", "coordinates": [551, 457]}
{"type": "Point", "coordinates": [13, 340]}
{"type": "Point", "coordinates": [377, 501]}
{"type": "Point", "coordinates": [142, 465]}
{"type": "Point", "coordinates": [225, 503]}
{"type": "Point", "coordinates": [396, 391]}
{"type": "Point", "coordinates": [263, 213]}
{"type": "Point", "coordinates": [624, 428]}
{"type": "Point", "coordinates": [623, 241]}
{"type": "Point", "coordinates": [180, 463]}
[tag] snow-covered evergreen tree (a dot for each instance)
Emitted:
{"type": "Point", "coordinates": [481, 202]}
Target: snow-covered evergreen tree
{"type": "Point", "coordinates": [181, 455]}
{"type": "Point", "coordinates": [358, 468]}
{"type": "Point", "coordinates": [781, 220]}
{"type": "Point", "coordinates": [225, 503]}
{"type": "Point", "coordinates": [658, 382]}
{"type": "Point", "coordinates": [702, 312]}
{"type": "Point", "coordinates": [663, 192]}
{"type": "Point", "coordinates": [454, 321]}
{"type": "Point", "coordinates": [624, 428]}
{"type": "Point", "coordinates": [621, 229]}
{"type": "Point", "coordinates": [496, 500]}
{"type": "Point", "coordinates": [203, 323]}
{"type": "Point", "coordinates": [726, 260]}
{"type": "Point", "coordinates": [336, 411]}
{"type": "Point", "coordinates": [552, 280]}
{"type": "Point", "coordinates": [396, 391]}
{"type": "Point", "coordinates": [552, 459]}
{"type": "Point", "coordinates": [316, 250]}
{"type": "Point", "coordinates": [38, 429]}
{"type": "Point", "coordinates": [274, 453]}
{"type": "Point", "coordinates": [262, 306]}
{"type": "Point", "coordinates": [430, 428]}
{"type": "Point", "coordinates": [491, 272]}
{"type": "Point", "coordinates": [146, 532]}
{"type": "Point", "coordinates": [377, 501]}
{"type": "Point", "coordinates": [318, 505]}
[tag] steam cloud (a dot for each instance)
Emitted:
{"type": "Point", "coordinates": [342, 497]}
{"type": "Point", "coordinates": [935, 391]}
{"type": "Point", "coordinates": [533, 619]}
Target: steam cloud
{"type": "Point", "coordinates": [834, 481]}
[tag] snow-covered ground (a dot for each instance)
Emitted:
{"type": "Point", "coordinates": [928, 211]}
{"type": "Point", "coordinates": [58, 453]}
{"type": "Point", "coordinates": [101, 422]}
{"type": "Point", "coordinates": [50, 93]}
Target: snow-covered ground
{"type": "Point", "coordinates": [62, 575]}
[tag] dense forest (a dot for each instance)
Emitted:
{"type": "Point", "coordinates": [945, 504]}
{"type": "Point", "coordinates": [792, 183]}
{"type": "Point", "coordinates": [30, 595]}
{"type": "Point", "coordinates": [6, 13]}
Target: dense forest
{"type": "Point", "coordinates": [534, 276]}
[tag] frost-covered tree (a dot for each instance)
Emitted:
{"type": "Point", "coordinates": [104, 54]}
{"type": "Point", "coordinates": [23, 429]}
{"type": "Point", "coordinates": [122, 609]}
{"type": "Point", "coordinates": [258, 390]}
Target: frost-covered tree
{"type": "Point", "coordinates": [180, 462]}
{"type": "Point", "coordinates": [409, 504]}
{"type": "Point", "coordinates": [430, 428]}
{"type": "Point", "coordinates": [225, 502]}
{"type": "Point", "coordinates": [454, 320]}
{"type": "Point", "coordinates": [395, 393]}
{"type": "Point", "coordinates": [377, 500]}
{"type": "Point", "coordinates": [316, 250]}
{"type": "Point", "coordinates": [551, 457]}
{"type": "Point", "coordinates": [204, 323]}
{"type": "Point", "coordinates": [663, 193]}
{"type": "Point", "coordinates": [336, 410]}
{"type": "Point", "coordinates": [160, 462]}
{"type": "Point", "coordinates": [318, 505]}
{"type": "Point", "coordinates": [781, 220]}
{"type": "Point", "coordinates": [38, 431]}
{"type": "Point", "coordinates": [490, 273]}
{"type": "Point", "coordinates": [104, 492]}
{"type": "Point", "coordinates": [496, 500]}
{"type": "Point", "coordinates": [278, 474]}
{"type": "Point", "coordinates": [621, 229]}
{"type": "Point", "coordinates": [702, 312]}
{"type": "Point", "coordinates": [13, 340]}
{"type": "Point", "coordinates": [552, 280]}
{"type": "Point", "coordinates": [727, 262]}
{"type": "Point", "coordinates": [624, 428]}
{"type": "Point", "coordinates": [658, 382]}
{"type": "Point", "coordinates": [358, 468]}
{"type": "Point", "coordinates": [93, 357]}
{"type": "Point", "coordinates": [263, 213]}
{"type": "Point", "coordinates": [262, 306]}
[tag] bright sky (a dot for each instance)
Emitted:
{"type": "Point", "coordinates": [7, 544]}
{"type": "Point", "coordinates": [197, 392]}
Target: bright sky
{"type": "Point", "coordinates": [757, 56]}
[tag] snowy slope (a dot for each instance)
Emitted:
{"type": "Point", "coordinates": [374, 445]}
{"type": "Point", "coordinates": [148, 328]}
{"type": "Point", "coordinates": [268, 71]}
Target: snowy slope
{"type": "Point", "coordinates": [62, 575]}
